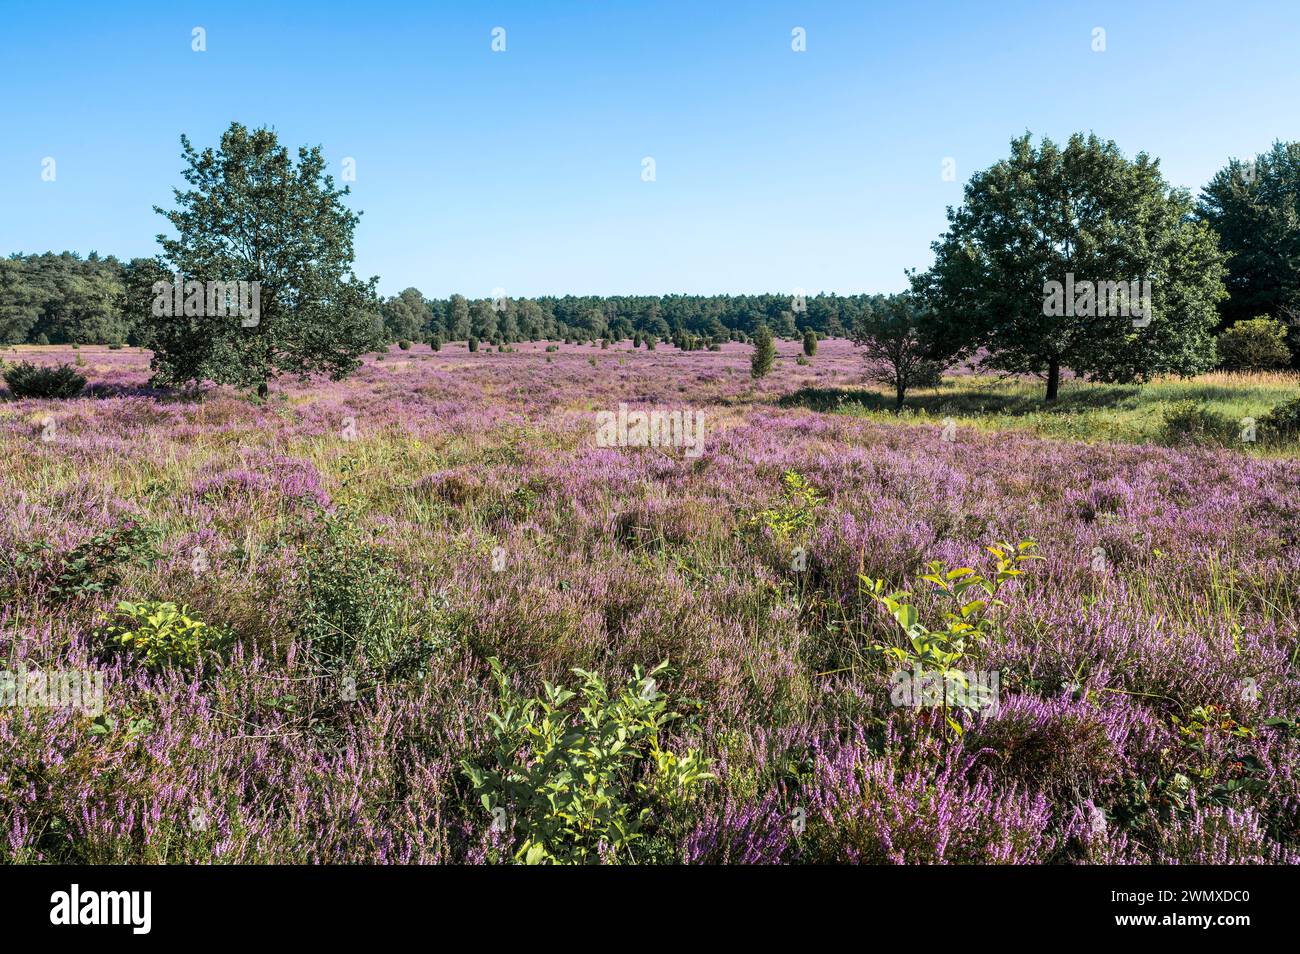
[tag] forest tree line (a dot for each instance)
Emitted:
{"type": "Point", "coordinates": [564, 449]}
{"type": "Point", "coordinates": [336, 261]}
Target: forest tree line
{"type": "Point", "coordinates": [62, 298]}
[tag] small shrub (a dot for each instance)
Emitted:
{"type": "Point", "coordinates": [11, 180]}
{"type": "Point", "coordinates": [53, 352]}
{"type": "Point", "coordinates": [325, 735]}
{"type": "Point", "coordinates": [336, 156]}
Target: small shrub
{"type": "Point", "coordinates": [435, 343]}
{"type": "Point", "coordinates": [1187, 422]}
{"type": "Point", "coordinates": [552, 347]}
{"type": "Point", "coordinates": [28, 380]}
{"type": "Point", "coordinates": [764, 353]}
{"type": "Point", "coordinates": [580, 774]}
{"type": "Point", "coordinates": [355, 609]}
{"type": "Point", "coordinates": [404, 345]}
{"type": "Point", "coordinates": [96, 566]}
{"type": "Point", "coordinates": [161, 634]}
{"type": "Point", "coordinates": [802, 361]}
{"type": "Point", "coordinates": [473, 343]}
{"type": "Point", "coordinates": [1283, 421]}
{"type": "Point", "coordinates": [809, 343]}
{"type": "Point", "coordinates": [1254, 345]}
{"type": "Point", "coordinates": [797, 511]}
{"type": "Point", "coordinates": [943, 650]}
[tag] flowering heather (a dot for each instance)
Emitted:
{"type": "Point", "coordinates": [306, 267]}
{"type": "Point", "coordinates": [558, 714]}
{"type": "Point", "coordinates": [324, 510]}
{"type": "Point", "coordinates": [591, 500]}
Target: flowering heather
{"type": "Point", "coordinates": [360, 550]}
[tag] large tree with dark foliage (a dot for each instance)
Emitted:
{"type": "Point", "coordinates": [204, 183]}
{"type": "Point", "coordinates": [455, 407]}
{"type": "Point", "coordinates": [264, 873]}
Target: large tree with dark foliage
{"type": "Point", "coordinates": [253, 214]}
{"type": "Point", "coordinates": [1255, 208]}
{"type": "Point", "coordinates": [1045, 214]}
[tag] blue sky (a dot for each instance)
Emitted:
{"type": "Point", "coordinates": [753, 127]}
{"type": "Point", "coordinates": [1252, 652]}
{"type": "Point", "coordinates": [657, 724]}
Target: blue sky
{"type": "Point", "coordinates": [523, 169]}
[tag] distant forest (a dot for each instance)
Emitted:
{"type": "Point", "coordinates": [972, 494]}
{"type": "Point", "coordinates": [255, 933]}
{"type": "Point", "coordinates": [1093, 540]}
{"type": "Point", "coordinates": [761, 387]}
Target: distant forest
{"type": "Point", "coordinates": [66, 299]}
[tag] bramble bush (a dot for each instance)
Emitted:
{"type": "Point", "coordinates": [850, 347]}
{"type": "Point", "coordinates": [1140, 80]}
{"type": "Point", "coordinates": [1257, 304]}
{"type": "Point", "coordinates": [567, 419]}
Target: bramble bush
{"type": "Point", "coordinates": [1283, 421]}
{"type": "Point", "coordinates": [1188, 422]}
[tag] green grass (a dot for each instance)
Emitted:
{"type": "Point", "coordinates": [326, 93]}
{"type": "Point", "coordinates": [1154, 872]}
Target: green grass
{"type": "Point", "coordinates": [1127, 413]}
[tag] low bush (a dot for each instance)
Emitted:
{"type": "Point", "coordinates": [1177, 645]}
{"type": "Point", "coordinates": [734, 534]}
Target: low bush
{"type": "Point", "coordinates": [583, 777]}
{"type": "Point", "coordinates": [1188, 422]}
{"type": "Point", "coordinates": [28, 380]}
{"type": "Point", "coordinates": [161, 634]}
{"type": "Point", "coordinates": [1282, 422]}
{"type": "Point", "coordinates": [1254, 345]}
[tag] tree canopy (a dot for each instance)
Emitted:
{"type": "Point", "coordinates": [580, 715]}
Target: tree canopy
{"type": "Point", "coordinates": [1254, 206]}
{"type": "Point", "coordinates": [252, 214]}
{"type": "Point", "coordinates": [1084, 214]}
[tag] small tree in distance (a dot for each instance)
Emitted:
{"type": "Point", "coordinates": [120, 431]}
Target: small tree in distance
{"type": "Point", "coordinates": [899, 350]}
{"type": "Point", "coordinates": [810, 342]}
{"type": "Point", "coordinates": [764, 353]}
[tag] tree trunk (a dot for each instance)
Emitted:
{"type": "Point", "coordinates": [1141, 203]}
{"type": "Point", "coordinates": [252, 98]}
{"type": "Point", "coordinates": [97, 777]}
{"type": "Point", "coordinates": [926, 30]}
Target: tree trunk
{"type": "Point", "coordinates": [899, 391]}
{"type": "Point", "coordinates": [1053, 378]}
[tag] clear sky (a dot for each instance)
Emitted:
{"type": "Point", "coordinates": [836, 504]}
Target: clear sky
{"type": "Point", "coordinates": [522, 169]}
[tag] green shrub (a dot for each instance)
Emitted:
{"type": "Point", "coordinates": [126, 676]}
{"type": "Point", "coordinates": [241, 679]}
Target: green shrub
{"type": "Point", "coordinates": [1283, 421]}
{"type": "Point", "coordinates": [473, 343]}
{"type": "Point", "coordinates": [354, 606]}
{"type": "Point", "coordinates": [404, 345]}
{"type": "Point", "coordinates": [764, 353]}
{"type": "Point", "coordinates": [161, 634]}
{"type": "Point", "coordinates": [96, 566]}
{"type": "Point", "coordinates": [552, 347]}
{"type": "Point", "coordinates": [584, 777]}
{"type": "Point", "coordinates": [809, 343]}
{"type": "Point", "coordinates": [1188, 422]}
{"type": "Point", "coordinates": [28, 380]}
{"type": "Point", "coordinates": [435, 343]}
{"type": "Point", "coordinates": [797, 511]}
{"type": "Point", "coordinates": [944, 650]}
{"type": "Point", "coordinates": [1254, 345]}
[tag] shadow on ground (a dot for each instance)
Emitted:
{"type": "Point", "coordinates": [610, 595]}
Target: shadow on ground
{"type": "Point", "coordinates": [970, 400]}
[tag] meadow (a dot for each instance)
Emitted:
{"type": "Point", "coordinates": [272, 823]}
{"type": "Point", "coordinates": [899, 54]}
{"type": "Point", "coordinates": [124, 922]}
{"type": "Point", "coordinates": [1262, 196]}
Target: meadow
{"type": "Point", "coordinates": [349, 559]}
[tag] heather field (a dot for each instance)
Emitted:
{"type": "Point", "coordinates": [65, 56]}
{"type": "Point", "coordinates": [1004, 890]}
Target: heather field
{"type": "Point", "coordinates": [352, 556]}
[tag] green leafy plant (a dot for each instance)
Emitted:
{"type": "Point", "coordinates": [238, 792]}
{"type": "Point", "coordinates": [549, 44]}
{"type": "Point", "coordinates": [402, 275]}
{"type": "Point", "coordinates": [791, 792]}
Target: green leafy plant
{"type": "Point", "coordinates": [943, 648]}
{"type": "Point", "coordinates": [797, 510]}
{"type": "Point", "coordinates": [27, 380]}
{"type": "Point", "coordinates": [96, 566]}
{"type": "Point", "coordinates": [582, 774]}
{"type": "Point", "coordinates": [161, 634]}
